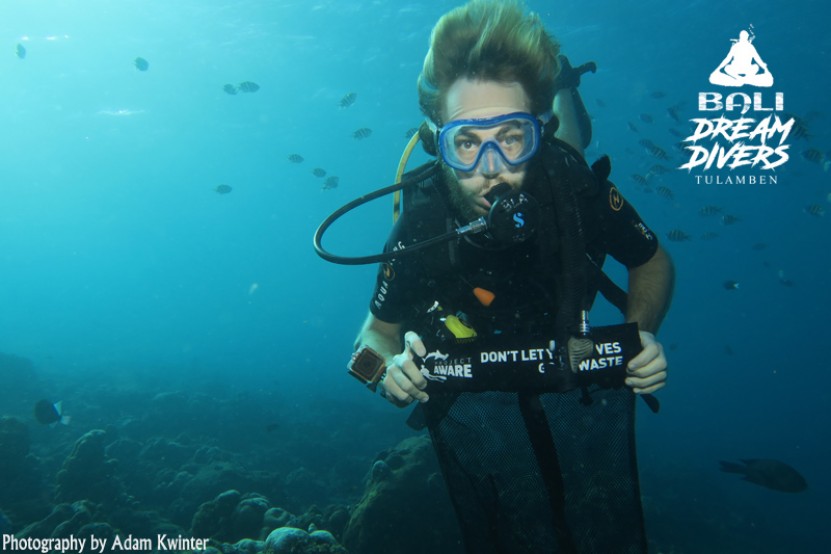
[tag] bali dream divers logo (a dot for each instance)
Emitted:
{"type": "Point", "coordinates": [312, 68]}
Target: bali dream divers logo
{"type": "Point", "coordinates": [753, 140]}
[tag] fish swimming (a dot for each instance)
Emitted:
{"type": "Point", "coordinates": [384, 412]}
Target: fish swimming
{"type": "Point", "coordinates": [665, 192]}
{"type": "Point", "coordinates": [230, 89]}
{"type": "Point", "coordinates": [47, 413]}
{"type": "Point", "coordinates": [348, 99]}
{"type": "Point", "coordinates": [249, 86]}
{"type": "Point", "coordinates": [223, 189]}
{"type": "Point", "coordinates": [771, 474]}
{"type": "Point", "coordinates": [813, 155]}
{"type": "Point", "coordinates": [677, 235]}
{"type": "Point", "coordinates": [141, 64]}
{"type": "Point", "coordinates": [296, 158]}
{"type": "Point", "coordinates": [20, 50]}
{"type": "Point", "coordinates": [362, 133]}
{"type": "Point", "coordinates": [709, 210]}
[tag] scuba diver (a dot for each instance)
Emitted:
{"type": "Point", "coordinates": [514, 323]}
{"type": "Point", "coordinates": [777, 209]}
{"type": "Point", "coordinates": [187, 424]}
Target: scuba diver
{"type": "Point", "coordinates": [539, 454]}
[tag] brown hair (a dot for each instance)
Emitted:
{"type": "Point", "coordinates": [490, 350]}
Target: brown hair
{"type": "Point", "coordinates": [491, 40]}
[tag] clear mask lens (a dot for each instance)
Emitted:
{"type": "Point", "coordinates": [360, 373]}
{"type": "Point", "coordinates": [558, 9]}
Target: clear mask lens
{"type": "Point", "coordinates": [466, 143]}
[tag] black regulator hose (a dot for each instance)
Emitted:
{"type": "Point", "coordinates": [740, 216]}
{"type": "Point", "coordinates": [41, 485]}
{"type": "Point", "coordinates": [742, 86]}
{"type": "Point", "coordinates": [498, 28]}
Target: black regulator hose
{"type": "Point", "coordinates": [512, 218]}
{"type": "Point", "coordinates": [384, 256]}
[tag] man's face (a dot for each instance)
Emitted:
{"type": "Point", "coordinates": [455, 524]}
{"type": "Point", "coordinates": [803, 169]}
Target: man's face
{"type": "Point", "coordinates": [474, 99]}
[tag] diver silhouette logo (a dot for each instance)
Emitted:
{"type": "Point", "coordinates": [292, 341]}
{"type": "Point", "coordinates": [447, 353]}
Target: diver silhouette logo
{"type": "Point", "coordinates": [742, 65]}
{"type": "Point", "coordinates": [519, 223]}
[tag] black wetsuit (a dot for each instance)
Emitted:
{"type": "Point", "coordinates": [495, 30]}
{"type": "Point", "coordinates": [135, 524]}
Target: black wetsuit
{"type": "Point", "coordinates": [495, 476]}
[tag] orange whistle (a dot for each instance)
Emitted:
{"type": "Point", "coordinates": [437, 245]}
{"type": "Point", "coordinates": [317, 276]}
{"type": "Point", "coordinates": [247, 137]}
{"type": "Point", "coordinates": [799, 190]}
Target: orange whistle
{"type": "Point", "coordinates": [485, 297]}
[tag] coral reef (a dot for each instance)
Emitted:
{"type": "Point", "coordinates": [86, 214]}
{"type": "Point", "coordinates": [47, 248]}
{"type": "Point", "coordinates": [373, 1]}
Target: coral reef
{"type": "Point", "coordinates": [22, 492]}
{"type": "Point", "coordinates": [291, 540]}
{"type": "Point", "coordinates": [87, 473]}
{"type": "Point", "coordinates": [405, 493]}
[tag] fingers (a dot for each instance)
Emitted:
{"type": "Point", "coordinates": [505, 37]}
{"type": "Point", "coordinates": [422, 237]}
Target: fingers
{"type": "Point", "coordinates": [404, 382]}
{"type": "Point", "coordinates": [413, 342]}
{"type": "Point", "coordinates": [393, 393]}
{"type": "Point", "coordinates": [646, 372]}
{"type": "Point", "coordinates": [646, 385]}
{"type": "Point", "coordinates": [400, 388]}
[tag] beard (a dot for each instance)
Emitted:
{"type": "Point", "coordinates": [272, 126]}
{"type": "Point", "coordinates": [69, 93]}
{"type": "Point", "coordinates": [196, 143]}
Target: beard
{"type": "Point", "coordinates": [458, 199]}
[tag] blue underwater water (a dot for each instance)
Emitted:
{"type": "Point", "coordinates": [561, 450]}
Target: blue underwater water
{"type": "Point", "coordinates": [147, 300]}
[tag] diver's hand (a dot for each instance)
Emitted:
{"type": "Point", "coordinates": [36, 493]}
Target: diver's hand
{"type": "Point", "coordinates": [647, 372]}
{"type": "Point", "coordinates": [403, 381]}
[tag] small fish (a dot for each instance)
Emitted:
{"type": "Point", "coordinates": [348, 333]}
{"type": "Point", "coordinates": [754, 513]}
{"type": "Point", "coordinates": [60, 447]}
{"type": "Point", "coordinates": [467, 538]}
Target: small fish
{"type": "Point", "coordinates": [709, 235]}
{"type": "Point", "coordinates": [600, 103]}
{"type": "Point", "coordinates": [223, 189]}
{"type": "Point", "coordinates": [230, 89]}
{"type": "Point", "coordinates": [728, 219]}
{"type": "Point", "coordinates": [20, 50]}
{"type": "Point", "coordinates": [48, 413]}
{"type": "Point", "coordinates": [331, 182]}
{"type": "Point", "coordinates": [681, 147]}
{"type": "Point", "coordinates": [759, 246]}
{"type": "Point", "coordinates": [249, 86]}
{"type": "Point", "coordinates": [296, 158]}
{"type": "Point", "coordinates": [676, 133]}
{"type": "Point", "coordinates": [799, 130]}
{"type": "Point", "coordinates": [665, 192]}
{"type": "Point", "coordinates": [646, 118]}
{"type": "Point", "coordinates": [783, 280]}
{"type": "Point", "coordinates": [658, 169]}
{"type": "Point", "coordinates": [677, 235]}
{"type": "Point", "coordinates": [709, 210]}
{"type": "Point", "coordinates": [632, 127]}
{"type": "Point", "coordinates": [410, 132]}
{"type": "Point", "coordinates": [141, 64]}
{"type": "Point", "coordinates": [730, 285]}
{"type": "Point", "coordinates": [348, 99]}
{"type": "Point", "coordinates": [813, 155]}
{"type": "Point", "coordinates": [319, 172]}
{"type": "Point", "coordinates": [639, 179]}
{"type": "Point", "coordinates": [772, 474]}
{"type": "Point", "coordinates": [672, 112]}
{"type": "Point", "coordinates": [657, 94]}
{"type": "Point", "coordinates": [659, 153]}
{"type": "Point", "coordinates": [653, 149]}
{"type": "Point", "coordinates": [815, 210]}
{"type": "Point", "coordinates": [362, 133]}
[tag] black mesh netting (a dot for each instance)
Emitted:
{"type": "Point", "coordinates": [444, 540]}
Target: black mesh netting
{"type": "Point", "coordinates": [501, 491]}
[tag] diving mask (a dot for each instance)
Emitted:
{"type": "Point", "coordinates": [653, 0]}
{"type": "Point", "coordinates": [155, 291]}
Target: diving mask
{"type": "Point", "coordinates": [510, 138]}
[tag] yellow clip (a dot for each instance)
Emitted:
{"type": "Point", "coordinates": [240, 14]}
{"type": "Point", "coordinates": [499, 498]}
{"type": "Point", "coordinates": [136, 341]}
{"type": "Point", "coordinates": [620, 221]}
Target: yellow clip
{"type": "Point", "coordinates": [459, 329]}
